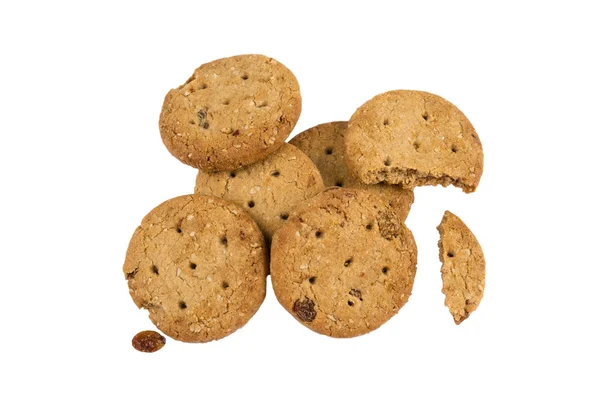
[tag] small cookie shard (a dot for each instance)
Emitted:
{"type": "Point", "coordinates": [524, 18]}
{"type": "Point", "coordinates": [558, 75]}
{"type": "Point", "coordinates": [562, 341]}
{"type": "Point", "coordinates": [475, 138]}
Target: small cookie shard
{"type": "Point", "coordinates": [198, 265]}
{"type": "Point", "coordinates": [232, 112]}
{"type": "Point", "coordinates": [413, 138]}
{"type": "Point", "coordinates": [269, 189]}
{"type": "Point", "coordinates": [343, 264]}
{"type": "Point", "coordinates": [324, 144]}
{"type": "Point", "coordinates": [463, 267]}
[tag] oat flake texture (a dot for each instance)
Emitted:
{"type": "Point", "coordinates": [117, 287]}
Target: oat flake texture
{"type": "Point", "coordinates": [231, 112]}
{"type": "Point", "coordinates": [198, 265]}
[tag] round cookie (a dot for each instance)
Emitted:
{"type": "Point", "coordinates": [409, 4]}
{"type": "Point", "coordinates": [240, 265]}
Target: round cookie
{"type": "Point", "coordinates": [232, 112]}
{"type": "Point", "coordinates": [413, 138]}
{"type": "Point", "coordinates": [343, 264]}
{"type": "Point", "coordinates": [324, 144]}
{"type": "Point", "coordinates": [268, 189]}
{"type": "Point", "coordinates": [198, 265]}
{"type": "Point", "coordinates": [463, 267]}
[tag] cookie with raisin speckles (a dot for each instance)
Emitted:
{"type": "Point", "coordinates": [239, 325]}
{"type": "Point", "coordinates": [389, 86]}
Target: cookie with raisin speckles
{"type": "Point", "coordinates": [324, 144]}
{"type": "Point", "coordinates": [463, 267]}
{"type": "Point", "coordinates": [232, 112]}
{"type": "Point", "coordinates": [413, 138]}
{"type": "Point", "coordinates": [198, 265]}
{"type": "Point", "coordinates": [343, 264]}
{"type": "Point", "coordinates": [269, 189]}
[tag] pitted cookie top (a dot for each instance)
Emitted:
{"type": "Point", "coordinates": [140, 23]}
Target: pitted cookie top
{"type": "Point", "coordinates": [269, 189]}
{"type": "Point", "coordinates": [324, 144]}
{"type": "Point", "coordinates": [231, 112]}
{"type": "Point", "coordinates": [198, 265]}
{"type": "Point", "coordinates": [413, 138]}
{"type": "Point", "coordinates": [344, 263]}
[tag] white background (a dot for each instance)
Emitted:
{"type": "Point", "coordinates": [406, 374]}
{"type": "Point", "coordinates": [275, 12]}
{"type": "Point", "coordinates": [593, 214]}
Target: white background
{"type": "Point", "coordinates": [81, 87]}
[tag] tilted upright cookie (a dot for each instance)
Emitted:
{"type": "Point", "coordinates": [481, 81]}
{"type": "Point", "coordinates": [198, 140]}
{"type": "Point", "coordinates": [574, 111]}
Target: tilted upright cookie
{"type": "Point", "coordinates": [324, 144]}
{"type": "Point", "coordinates": [198, 265]}
{"type": "Point", "coordinates": [232, 112]}
{"type": "Point", "coordinates": [463, 267]}
{"type": "Point", "coordinates": [269, 189]}
{"type": "Point", "coordinates": [343, 264]}
{"type": "Point", "coordinates": [413, 138]}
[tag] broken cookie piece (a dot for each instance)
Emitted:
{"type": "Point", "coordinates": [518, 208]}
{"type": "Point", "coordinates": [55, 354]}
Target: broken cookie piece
{"type": "Point", "coordinates": [463, 267]}
{"type": "Point", "coordinates": [413, 138]}
{"type": "Point", "coordinates": [324, 144]}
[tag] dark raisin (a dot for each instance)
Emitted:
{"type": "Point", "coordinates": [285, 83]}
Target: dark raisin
{"type": "Point", "coordinates": [356, 293]}
{"type": "Point", "coordinates": [148, 341]}
{"type": "Point", "coordinates": [305, 310]}
{"type": "Point", "coordinates": [236, 133]}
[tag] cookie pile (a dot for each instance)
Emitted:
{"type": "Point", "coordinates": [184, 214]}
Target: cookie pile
{"type": "Point", "coordinates": [323, 213]}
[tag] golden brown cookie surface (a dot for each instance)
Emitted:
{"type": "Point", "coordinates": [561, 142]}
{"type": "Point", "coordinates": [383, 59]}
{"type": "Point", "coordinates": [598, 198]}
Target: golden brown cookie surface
{"type": "Point", "coordinates": [463, 267]}
{"type": "Point", "coordinates": [344, 263]}
{"type": "Point", "coordinates": [413, 138]}
{"type": "Point", "coordinates": [269, 189]}
{"type": "Point", "coordinates": [231, 112]}
{"type": "Point", "coordinates": [198, 265]}
{"type": "Point", "coordinates": [324, 144]}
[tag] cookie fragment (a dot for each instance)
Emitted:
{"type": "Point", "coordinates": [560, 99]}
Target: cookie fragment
{"type": "Point", "coordinates": [336, 270]}
{"type": "Point", "coordinates": [232, 112]}
{"type": "Point", "coordinates": [413, 138]}
{"type": "Point", "coordinates": [148, 341]}
{"type": "Point", "coordinates": [198, 265]}
{"type": "Point", "coordinates": [269, 189]}
{"type": "Point", "coordinates": [463, 267]}
{"type": "Point", "coordinates": [324, 144]}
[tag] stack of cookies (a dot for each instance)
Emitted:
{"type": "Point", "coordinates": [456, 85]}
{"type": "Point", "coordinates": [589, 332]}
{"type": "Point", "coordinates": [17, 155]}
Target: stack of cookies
{"type": "Point", "coordinates": [324, 214]}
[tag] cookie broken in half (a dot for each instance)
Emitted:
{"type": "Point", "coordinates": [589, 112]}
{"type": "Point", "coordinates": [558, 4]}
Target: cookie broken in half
{"type": "Point", "coordinates": [463, 267]}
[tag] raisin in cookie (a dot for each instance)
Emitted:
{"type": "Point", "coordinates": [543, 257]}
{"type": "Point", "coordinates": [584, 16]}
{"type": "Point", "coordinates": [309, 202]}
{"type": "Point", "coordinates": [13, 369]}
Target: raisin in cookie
{"type": "Point", "coordinates": [268, 189]}
{"type": "Point", "coordinates": [324, 144]}
{"type": "Point", "coordinates": [198, 265]}
{"type": "Point", "coordinates": [463, 267]}
{"type": "Point", "coordinates": [232, 112]}
{"type": "Point", "coordinates": [413, 138]}
{"type": "Point", "coordinates": [344, 263]}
